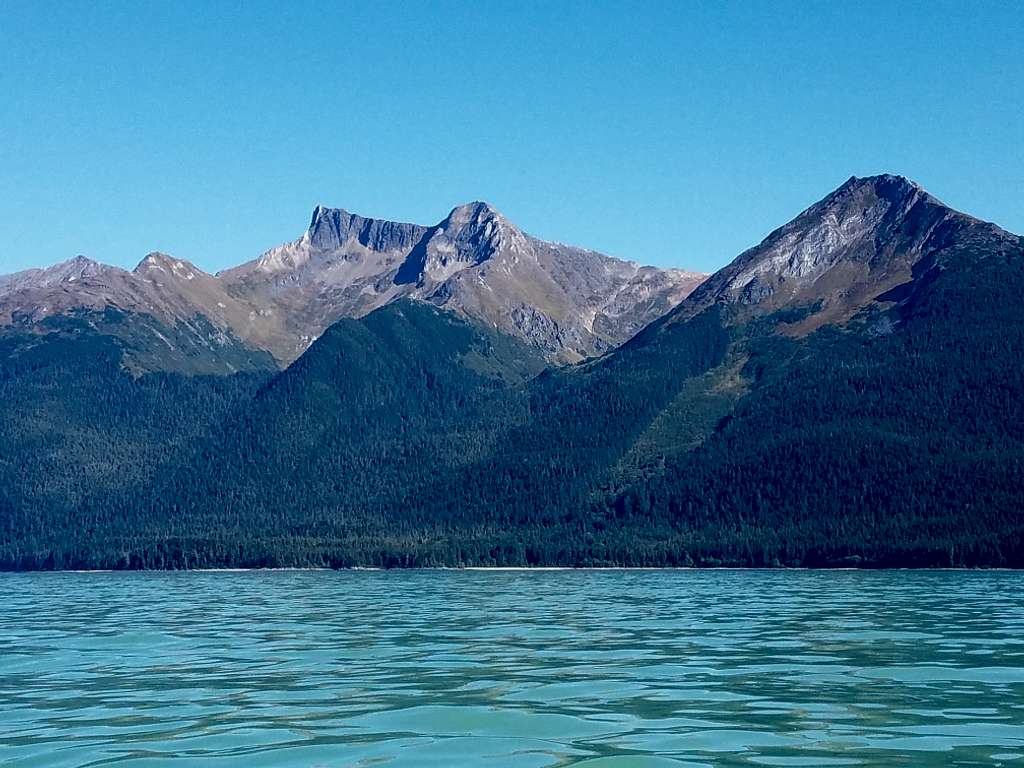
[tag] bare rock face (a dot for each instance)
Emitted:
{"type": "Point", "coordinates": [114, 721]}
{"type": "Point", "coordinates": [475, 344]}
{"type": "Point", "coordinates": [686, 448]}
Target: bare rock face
{"type": "Point", "coordinates": [471, 235]}
{"type": "Point", "coordinates": [569, 302]}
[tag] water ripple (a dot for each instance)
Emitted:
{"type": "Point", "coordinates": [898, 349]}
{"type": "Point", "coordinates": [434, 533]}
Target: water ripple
{"type": "Point", "coordinates": [603, 669]}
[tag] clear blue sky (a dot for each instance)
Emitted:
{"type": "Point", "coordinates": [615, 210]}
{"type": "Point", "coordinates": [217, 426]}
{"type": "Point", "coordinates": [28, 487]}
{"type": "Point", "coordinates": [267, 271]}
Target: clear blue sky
{"type": "Point", "coordinates": [671, 133]}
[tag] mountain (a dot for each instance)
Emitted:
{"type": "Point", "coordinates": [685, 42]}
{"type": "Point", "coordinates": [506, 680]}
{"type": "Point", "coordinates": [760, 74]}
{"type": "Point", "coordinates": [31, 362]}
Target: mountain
{"type": "Point", "coordinates": [873, 240]}
{"type": "Point", "coordinates": [861, 404]}
{"type": "Point", "coordinates": [67, 272]}
{"type": "Point", "coordinates": [75, 423]}
{"type": "Point", "coordinates": [373, 400]}
{"type": "Point", "coordinates": [567, 302]}
{"type": "Point", "coordinates": [167, 314]}
{"type": "Point", "coordinates": [874, 401]}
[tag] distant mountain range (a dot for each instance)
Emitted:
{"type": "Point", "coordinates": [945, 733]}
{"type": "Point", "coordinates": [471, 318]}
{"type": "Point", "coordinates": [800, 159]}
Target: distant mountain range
{"type": "Point", "coordinates": [569, 303]}
{"type": "Point", "coordinates": [848, 392]}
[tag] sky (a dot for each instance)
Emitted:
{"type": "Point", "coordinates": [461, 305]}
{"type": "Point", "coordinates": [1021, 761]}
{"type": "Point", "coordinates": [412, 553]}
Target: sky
{"type": "Point", "coordinates": [675, 133]}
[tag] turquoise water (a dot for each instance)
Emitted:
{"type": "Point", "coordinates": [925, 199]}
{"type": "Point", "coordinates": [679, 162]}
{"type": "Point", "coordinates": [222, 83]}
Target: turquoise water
{"type": "Point", "coordinates": [447, 668]}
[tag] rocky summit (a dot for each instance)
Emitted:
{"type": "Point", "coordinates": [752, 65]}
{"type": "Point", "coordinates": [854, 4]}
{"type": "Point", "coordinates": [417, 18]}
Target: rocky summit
{"type": "Point", "coordinates": [871, 242]}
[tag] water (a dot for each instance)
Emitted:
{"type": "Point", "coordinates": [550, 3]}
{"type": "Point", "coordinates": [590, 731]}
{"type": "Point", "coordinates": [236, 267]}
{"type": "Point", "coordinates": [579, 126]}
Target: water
{"type": "Point", "coordinates": [441, 668]}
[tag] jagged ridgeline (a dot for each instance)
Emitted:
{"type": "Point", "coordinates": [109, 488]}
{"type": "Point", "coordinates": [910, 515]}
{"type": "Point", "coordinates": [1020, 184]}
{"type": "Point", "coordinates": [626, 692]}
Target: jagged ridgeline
{"type": "Point", "coordinates": [569, 303]}
{"type": "Point", "coordinates": [849, 392]}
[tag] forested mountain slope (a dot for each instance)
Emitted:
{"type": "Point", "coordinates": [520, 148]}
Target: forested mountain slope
{"type": "Point", "coordinates": [74, 423]}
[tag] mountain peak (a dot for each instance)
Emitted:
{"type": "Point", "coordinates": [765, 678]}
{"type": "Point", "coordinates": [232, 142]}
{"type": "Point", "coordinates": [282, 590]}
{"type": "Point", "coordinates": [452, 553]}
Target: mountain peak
{"type": "Point", "coordinates": [864, 191]}
{"type": "Point", "coordinates": [474, 211]}
{"type": "Point", "coordinates": [153, 258]}
{"type": "Point", "coordinates": [324, 216]}
{"type": "Point", "coordinates": [322, 212]}
{"type": "Point", "coordinates": [331, 228]}
{"type": "Point", "coordinates": [69, 271]}
{"type": "Point", "coordinates": [857, 243]}
{"type": "Point", "coordinates": [479, 222]}
{"type": "Point", "coordinates": [162, 262]}
{"type": "Point", "coordinates": [471, 234]}
{"type": "Point", "coordinates": [77, 267]}
{"type": "Point", "coordinates": [881, 179]}
{"type": "Point", "coordinates": [79, 261]}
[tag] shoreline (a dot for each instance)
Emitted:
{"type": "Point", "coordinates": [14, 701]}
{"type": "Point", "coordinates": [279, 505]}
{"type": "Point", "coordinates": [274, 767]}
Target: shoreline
{"type": "Point", "coordinates": [513, 569]}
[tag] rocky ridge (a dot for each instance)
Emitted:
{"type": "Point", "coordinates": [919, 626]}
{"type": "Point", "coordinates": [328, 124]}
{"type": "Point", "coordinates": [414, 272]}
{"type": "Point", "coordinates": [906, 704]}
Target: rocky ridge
{"type": "Point", "coordinates": [568, 302]}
